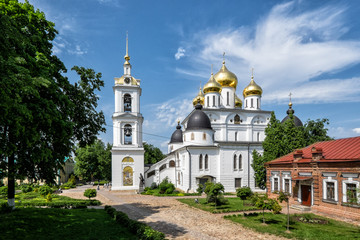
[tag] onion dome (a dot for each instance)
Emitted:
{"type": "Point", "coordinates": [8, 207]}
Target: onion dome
{"type": "Point", "coordinates": [212, 85]}
{"type": "Point", "coordinates": [199, 98]}
{"type": "Point", "coordinates": [252, 89]}
{"type": "Point", "coordinates": [297, 121]}
{"type": "Point", "coordinates": [177, 136]}
{"type": "Point", "coordinates": [225, 77]}
{"type": "Point", "coordinates": [198, 119]}
{"type": "Point", "coordinates": [238, 102]}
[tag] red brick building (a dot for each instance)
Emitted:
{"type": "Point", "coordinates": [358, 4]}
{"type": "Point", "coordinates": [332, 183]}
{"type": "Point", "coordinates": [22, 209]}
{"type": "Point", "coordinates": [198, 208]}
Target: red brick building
{"type": "Point", "coordinates": [323, 176]}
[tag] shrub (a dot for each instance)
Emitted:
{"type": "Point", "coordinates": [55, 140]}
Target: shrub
{"type": "Point", "coordinates": [244, 193]}
{"type": "Point", "coordinates": [25, 188]}
{"type": "Point", "coordinates": [214, 194]}
{"type": "Point", "coordinates": [154, 185]}
{"type": "Point", "coordinates": [90, 193]}
{"type": "Point", "coordinates": [200, 189]}
{"type": "Point", "coordinates": [49, 197]}
{"type": "Point", "coordinates": [45, 190]}
{"type": "Point", "coordinates": [3, 190]}
{"type": "Point", "coordinates": [166, 187]}
{"type": "Point", "coordinates": [5, 208]}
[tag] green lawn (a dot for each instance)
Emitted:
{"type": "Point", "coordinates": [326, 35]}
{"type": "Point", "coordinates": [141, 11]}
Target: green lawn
{"type": "Point", "coordinates": [235, 205]}
{"type": "Point", "coordinates": [49, 223]}
{"type": "Point", "coordinates": [276, 224]}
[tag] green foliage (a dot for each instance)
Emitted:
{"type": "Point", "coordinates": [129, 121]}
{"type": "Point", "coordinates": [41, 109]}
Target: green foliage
{"type": "Point", "coordinates": [90, 193]}
{"type": "Point", "coordinates": [140, 229]}
{"type": "Point", "coordinates": [5, 208]}
{"type": "Point", "coordinates": [200, 189]}
{"type": "Point", "coordinates": [244, 193]}
{"type": "Point", "coordinates": [152, 154]}
{"type": "Point", "coordinates": [259, 169]}
{"type": "Point", "coordinates": [3, 190]}
{"type": "Point", "coordinates": [284, 196]}
{"type": "Point", "coordinates": [263, 202]}
{"type": "Point", "coordinates": [49, 197]}
{"type": "Point", "coordinates": [234, 205]}
{"type": "Point", "coordinates": [45, 190]}
{"type": "Point", "coordinates": [25, 188]}
{"type": "Point", "coordinates": [166, 187]}
{"type": "Point", "coordinates": [215, 194]}
{"type": "Point", "coordinates": [43, 115]}
{"type": "Point", "coordinates": [93, 161]}
{"type": "Point", "coordinates": [153, 185]}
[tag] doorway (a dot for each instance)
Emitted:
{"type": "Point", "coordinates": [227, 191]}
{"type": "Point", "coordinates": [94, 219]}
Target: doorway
{"type": "Point", "coordinates": [306, 195]}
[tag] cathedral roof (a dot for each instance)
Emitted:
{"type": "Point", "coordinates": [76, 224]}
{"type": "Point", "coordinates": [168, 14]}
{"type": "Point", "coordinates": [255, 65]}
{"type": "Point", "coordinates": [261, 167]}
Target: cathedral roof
{"type": "Point", "coordinates": [252, 89]}
{"type": "Point", "coordinates": [198, 119]}
{"type": "Point", "coordinates": [225, 77]}
{"type": "Point", "coordinates": [297, 121]}
{"type": "Point", "coordinates": [199, 98]}
{"type": "Point", "coordinates": [177, 136]}
{"type": "Point", "coordinates": [212, 85]}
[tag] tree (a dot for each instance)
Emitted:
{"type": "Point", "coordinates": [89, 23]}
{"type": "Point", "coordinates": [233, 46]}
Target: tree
{"type": "Point", "coordinates": [93, 161]}
{"type": "Point", "coordinates": [42, 113]}
{"type": "Point", "coordinates": [284, 196]}
{"type": "Point", "coordinates": [284, 138]}
{"type": "Point", "coordinates": [90, 193]}
{"type": "Point", "coordinates": [264, 202]}
{"type": "Point", "coordinates": [214, 193]}
{"type": "Point", "coordinates": [244, 193]}
{"type": "Point", "coordinates": [152, 154]}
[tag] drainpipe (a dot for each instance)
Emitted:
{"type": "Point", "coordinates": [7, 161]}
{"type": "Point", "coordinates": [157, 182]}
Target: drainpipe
{"type": "Point", "coordinates": [248, 164]}
{"type": "Point", "coordinates": [189, 168]}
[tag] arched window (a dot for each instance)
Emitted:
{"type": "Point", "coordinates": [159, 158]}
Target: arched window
{"type": "Point", "coordinates": [219, 100]}
{"type": "Point", "coordinates": [192, 136]}
{"type": "Point", "coordinates": [128, 159]}
{"type": "Point", "coordinates": [235, 165]}
{"type": "Point", "coordinates": [252, 103]}
{"type": "Point", "coordinates": [258, 137]}
{"type": "Point", "coordinates": [127, 103]}
{"type": "Point", "coordinates": [206, 162]}
{"type": "Point", "coordinates": [184, 138]}
{"type": "Point", "coordinates": [204, 136]}
{"type": "Point", "coordinates": [127, 134]}
{"type": "Point", "coordinates": [178, 159]}
{"type": "Point", "coordinates": [246, 103]}
{"type": "Point", "coordinates": [214, 101]}
{"type": "Point", "coordinates": [235, 136]}
{"type": "Point", "coordinates": [200, 162]}
{"type": "Point", "coordinates": [227, 99]}
{"type": "Point", "coordinates": [162, 167]}
{"type": "Point", "coordinates": [240, 162]}
{"type": "Point", "coordinates": [179, 178]}
{"type": "Point", "coordinates": [128, 176]}
{"type": "Point", "coordinates": [172, 163]}
{"type": "Point", "coordinates": [208, 104]}
{"type": "Point", "coordinates": [237, 119]}
{"type": "Point", "coordinates": [257, 102]}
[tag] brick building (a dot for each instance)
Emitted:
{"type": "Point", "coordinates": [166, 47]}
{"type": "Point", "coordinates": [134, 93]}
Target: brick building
{"type": "Point", "coordinates": [323, 176]}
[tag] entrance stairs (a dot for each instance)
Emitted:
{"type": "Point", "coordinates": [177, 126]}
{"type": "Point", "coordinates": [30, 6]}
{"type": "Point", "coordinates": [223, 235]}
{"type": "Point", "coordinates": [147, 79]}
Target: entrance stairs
{"type": "Point", "coordinates": [301, 208]}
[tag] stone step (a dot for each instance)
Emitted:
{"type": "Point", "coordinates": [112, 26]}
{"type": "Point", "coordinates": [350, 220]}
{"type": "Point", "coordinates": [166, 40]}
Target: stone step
{"type": "Point", "coordinates": [301, 208]}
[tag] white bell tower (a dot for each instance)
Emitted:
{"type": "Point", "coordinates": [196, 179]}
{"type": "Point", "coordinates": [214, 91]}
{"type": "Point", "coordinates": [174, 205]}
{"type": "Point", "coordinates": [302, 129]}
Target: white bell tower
{"type": "Point", "coordinates": [127, 152]}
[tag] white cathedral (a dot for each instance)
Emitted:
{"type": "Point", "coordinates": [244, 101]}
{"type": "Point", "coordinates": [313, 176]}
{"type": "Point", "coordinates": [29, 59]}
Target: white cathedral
{"type": "Point", "coordinates": [215, 143]}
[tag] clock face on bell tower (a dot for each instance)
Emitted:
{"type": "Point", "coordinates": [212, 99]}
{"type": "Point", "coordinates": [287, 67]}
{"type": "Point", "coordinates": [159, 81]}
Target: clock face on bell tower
{"type": "Point", "coordinates": [127, 80]}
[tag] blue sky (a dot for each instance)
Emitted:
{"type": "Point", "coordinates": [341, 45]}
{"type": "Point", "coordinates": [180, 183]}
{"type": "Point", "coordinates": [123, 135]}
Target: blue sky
{"type": "Point", "coordinates": [309, 48]}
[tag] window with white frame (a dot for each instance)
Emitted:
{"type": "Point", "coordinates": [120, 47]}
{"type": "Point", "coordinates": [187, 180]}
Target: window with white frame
{"type": "Point", "coordinates": [287, 185]}
{"type": "Point", "coordinates": [206, 162]}
{"type": "Point", "coordinates": [330, 188]}
{"type": "Point", "coordinates": [240, 162]}
{"type": "Point", "coordinates": [286, 182]}
{"type": "Point", "coordinates": [275, 183]}
{"type": "Point", "coordinates": [235, 165]}
{"type": "Point", "coordinates": [350, 193]}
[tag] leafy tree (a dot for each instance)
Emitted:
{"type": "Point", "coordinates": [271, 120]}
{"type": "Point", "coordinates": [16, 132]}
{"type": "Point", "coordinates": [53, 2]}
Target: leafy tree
{"type": "Point", "coordinates": [214, 193]}
{"type": "Point", "coordinates": [45, 190]}
{"type": "Point", "coordinates": [244, 193]}
{"type": "Point", "coordinates": [264, 202]}
{"type": "Point", "coordinates": [152, 154]}
{"type": "Point", "coordinates": [284, 196]}
{"type": "Point", "coordinates": [166, 187]}
{"type": "Point", "coordinates": [283, 138]}
{"type": "Point", "coordinates": [90, 193]}
{"type": "Point", "coordinates": [42, 113]}
{"type": "Point", "coordinates": [93, 161]}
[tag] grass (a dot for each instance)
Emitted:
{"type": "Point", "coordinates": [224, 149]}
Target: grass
{"type": "Point", "coordinates": [235, 205]}
{"type": "Point", "coordinates": [49, 223]}
{"type": "Point", "coordinates": [276, 224]}
{"type": "Point", "coordinates": [156, 192]}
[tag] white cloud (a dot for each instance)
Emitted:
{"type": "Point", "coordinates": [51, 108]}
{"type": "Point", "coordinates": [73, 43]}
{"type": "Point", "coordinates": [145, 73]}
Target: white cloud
{"type": "Point", "coordinates": [287, 49]}
{"type": "Point", "coordinates": [356, 130]}
{"type": "Point", "coordinates": [77, 51]}
{"type": "Point", "coordinates": [180, 53]}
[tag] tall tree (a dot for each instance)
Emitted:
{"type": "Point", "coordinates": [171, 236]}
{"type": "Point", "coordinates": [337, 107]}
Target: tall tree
{"type": "Point", "coordinates": [283, 138]}
{"type": "Point", "coordinates": [42, 114]}
{"type": "Point", "coordinates": [152, 154]}
{"type": "Point", "coordinates": [93, 161]}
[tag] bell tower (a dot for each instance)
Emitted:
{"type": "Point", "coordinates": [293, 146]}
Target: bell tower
{"type": "Point", "coordinates": [127, 153]}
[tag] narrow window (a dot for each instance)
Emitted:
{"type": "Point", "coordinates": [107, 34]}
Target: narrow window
{"type": "Point", "coordinates": [252, 103]}
{"type": "Point", "coordinates": [235, 165]}
{"type": "Point", "coordinates": [184, 138]}
{"type": "Point", "coordinates": [330, 191]}
{"type": "Point", "coordinates": [240, 162]}
{"type": "Point", "coordinates": [127, 134]}
{"type": "Point", "coordinates": [351, 193]}
{"type": "Point", "coordinates": [206, 162]}
{"type": "Point", "coordinates": [237, 182]}
{"type": "Point", "coordinates": [246, 103]}
{"type": "Point", "coordinates": [192, 136]}
{"type": "Point", "coordinates": [276, 184]}
{"type": "Point", "coordinates": [287, 186]}
{"type": "Point", "coordinates": [172, 163]}
{"type": "Point", "coordinates": [257, 102]}
{"type": "Point", "coordinates": [219, 100]}
{"type": "Point", "coordinates": [235, 136]}
{"type": "Point", "coordinates": [258, 137]}
{"type": "Point", "coordinates": [162, 167]}
{"type": "Point", "coordinates": [208, 99]}
{"type": "Point", "coordinates": [179, 178]}
{"type": "Point", "coordinates": [200, 162]}
{"type": "Point", "coordinates": [213, 101]}
{"type": "Point", "coordinates": [204, 136]}
{"type": "Point", "coordinates": [227, 99]}
{"type": "Point", "coordinates": [127, 103]}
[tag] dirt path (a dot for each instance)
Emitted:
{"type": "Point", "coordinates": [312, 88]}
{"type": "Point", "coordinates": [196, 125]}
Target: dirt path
{"type": "Point", "coordinates": [175, 219]}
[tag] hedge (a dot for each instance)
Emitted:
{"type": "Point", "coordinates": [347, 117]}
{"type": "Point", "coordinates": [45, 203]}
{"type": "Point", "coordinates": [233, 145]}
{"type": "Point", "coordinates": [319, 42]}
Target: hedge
{"type": "Point", "coordinates": [142, 230]}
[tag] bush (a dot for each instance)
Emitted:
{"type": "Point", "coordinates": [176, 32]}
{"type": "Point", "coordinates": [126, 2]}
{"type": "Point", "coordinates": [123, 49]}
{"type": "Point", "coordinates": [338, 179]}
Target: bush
{"type": "Point", "coordinates": [25, 188]}
{"type": "Point", "coordinates": [214, 194]}
{"type": "Point", "coordinates": [90, 193]}
{"type": "Point", "coordinates": [3, 190]}
{"type": "Point", "coordinates": [200, 189]}
{"type": "Point", "coordinates": [244, 192]}
{"type": "Point", "coordinates": [45, 190]}
{"type": "Point", "coordinates": [153, 186]}
{"type": "Point", "coordinates": [49, 197]}
{"type": "Point", "coordinates": [166, 187]}
{"type": "Point", "coordinates": [5, 208]}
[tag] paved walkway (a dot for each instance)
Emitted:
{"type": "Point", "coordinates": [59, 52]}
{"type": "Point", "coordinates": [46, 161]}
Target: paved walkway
{"type": "Point", "coordinates": [175, 219]}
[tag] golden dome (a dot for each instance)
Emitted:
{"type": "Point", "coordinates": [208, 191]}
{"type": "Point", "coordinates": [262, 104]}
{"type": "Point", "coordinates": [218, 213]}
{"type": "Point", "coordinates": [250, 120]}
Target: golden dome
{"type": "Point", "coordinates": [225, 77]}
{"type": "Point", "coordinates": [252, 89]}
{"type": "Point", "coordinates": [212, 85]}
{"type": "Point", "coordinates": [121, 81]}
{"type": "Point", "coordinates": [238, 102]}
{"type": "Point", "coordinates": [199, 98]}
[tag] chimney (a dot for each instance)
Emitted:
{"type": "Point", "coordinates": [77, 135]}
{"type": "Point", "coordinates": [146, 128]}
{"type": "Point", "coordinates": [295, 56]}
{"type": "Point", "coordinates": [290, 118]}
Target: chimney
{"type": "Point", "coordinates": [317, 154]}
{"type": "Point", "coordinates": [298, 153]}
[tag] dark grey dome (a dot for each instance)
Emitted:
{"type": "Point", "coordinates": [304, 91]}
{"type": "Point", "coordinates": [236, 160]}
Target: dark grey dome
{"type": "Point", "coordinates": [198, 119]}
{"type": "Point", "coordinates": [177, 136]}
{"type": "Point", "coordinates": [297, 121]}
